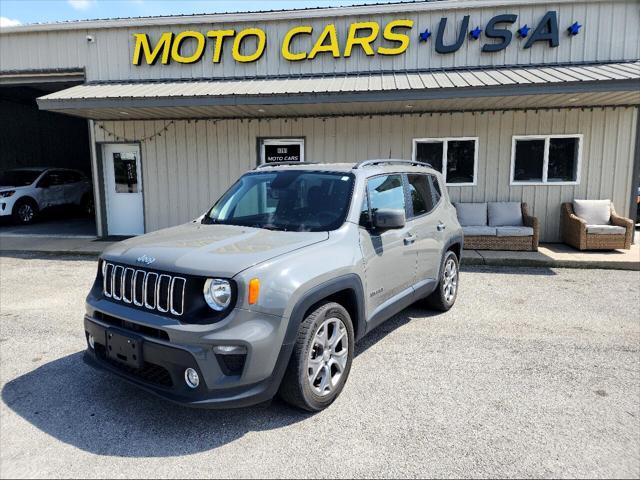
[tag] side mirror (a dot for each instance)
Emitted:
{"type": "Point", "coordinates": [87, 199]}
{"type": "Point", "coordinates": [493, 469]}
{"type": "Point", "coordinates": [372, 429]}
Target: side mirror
{"type": "Point", "coordinates": [386, 219]}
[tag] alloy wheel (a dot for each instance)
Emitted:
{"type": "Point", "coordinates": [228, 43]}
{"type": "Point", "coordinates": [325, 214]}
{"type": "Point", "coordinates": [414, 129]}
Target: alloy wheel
{"type": "Point", "coordinates": [450, 280]}
{"type": "Point", "coordinates": [328, 356]}
{"type": "Point", "coordinates": [25, 213]}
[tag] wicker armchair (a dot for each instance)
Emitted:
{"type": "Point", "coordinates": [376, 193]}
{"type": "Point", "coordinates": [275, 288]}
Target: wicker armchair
{"type": "Point", "coordinates": [489, 242]}
{"type": "Point", "coordinates": [574, 232]}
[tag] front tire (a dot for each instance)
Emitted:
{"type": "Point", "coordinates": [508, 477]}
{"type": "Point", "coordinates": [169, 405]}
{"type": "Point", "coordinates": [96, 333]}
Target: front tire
{"type": "Point", "coordinates": [25, 211]}
{"type": "Point", "coordinates": [445, 295]}
{"type": "Point", "coordinates": [321, 359]}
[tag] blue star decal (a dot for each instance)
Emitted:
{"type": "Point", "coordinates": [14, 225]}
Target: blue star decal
{"type": "Point", "coordinates": [574, 29]}
{"type": "Point", "coordinates": [523, 31]}
{"type": "Point", "coordinates": [424, 36]}
{"type": "Point", "coordinates": [475, 33]}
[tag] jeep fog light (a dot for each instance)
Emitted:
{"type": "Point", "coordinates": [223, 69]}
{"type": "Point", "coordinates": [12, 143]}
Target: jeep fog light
{"type": "Point", "coordinates": [92, 342]}
{"type": "Point", "coordinates": [217, 293]}
{"type": "Point", "coordinates": [191, 378]}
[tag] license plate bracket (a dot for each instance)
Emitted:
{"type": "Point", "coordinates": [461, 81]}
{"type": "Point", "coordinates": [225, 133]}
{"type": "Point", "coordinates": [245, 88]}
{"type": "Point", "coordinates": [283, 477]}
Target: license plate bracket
{"type": "Point", "coordinates": [124, 347]}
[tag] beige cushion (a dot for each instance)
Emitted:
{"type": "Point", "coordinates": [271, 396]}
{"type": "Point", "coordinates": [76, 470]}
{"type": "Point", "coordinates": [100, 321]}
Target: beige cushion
{"type": "Point", "coordinates": [505, 214]}
{"type": "Point", "coordinates": [594, 212]}
{"type": "Point", "coordinates": [606, 230]}
{"type": "Point", "coordinates": [471, 213]}
{"type": "Point", "coordinates": [515, 231]}
{"type": "Point", "coordinates": [479, 231]}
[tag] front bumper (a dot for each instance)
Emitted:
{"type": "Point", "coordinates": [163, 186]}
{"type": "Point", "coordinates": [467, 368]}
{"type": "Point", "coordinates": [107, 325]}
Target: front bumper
{"type": "Point", "coordinates": [6, 205]}
{"type": "Point", "coordinates": [165, 361]}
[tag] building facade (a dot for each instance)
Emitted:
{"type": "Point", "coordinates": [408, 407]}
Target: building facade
{"type": "Point", "coordinates": [520, 101]}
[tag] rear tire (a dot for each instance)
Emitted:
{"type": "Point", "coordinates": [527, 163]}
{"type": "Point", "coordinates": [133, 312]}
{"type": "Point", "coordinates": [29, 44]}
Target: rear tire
{"type": "Point", "coordinates": [321, 359]}
{"type": "Point", "coordinates": [444, 296]}
{"type": "Point", "coordinates": [25, 211]}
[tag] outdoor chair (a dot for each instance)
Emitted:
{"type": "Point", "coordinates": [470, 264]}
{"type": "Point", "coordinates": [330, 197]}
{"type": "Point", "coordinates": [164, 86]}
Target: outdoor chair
{"type": "Point", "coordinates": [594, 225]}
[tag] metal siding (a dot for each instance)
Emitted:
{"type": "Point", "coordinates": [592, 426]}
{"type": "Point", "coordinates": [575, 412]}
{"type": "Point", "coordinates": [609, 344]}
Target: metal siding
{"type": "Point", "coordinates": [609, 33]}
{"type": "Point", "coordinates": [191, 164]}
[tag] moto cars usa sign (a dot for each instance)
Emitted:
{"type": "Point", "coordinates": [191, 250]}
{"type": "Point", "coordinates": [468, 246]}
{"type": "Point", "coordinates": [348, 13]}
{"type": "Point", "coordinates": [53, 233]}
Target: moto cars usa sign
{"type": "Point", "coordinates": [372, 38]}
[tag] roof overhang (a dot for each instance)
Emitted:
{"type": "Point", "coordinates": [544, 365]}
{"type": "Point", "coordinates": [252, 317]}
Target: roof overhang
{"type": "Point", "coordinates": [386, 92]}
{"type": "Point", "coordinates": [40, 77]}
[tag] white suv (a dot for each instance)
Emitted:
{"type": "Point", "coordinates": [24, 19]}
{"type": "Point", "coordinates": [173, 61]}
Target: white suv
{"type": "Point", "coordinates": [24, 192]}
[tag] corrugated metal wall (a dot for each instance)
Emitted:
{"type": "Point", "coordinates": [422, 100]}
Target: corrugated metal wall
{"type": "Point", "coordinates": [610, 32]}
{"type": "Point", "coordinates": [192, 163]}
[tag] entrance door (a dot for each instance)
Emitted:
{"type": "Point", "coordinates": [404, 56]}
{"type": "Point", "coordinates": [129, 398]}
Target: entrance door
{"type": "Point", "coordinates": [123, 187]}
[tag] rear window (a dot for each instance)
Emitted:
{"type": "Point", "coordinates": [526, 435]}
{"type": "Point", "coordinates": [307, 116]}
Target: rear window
{"type": "Point", "coordinates": [424, 193]}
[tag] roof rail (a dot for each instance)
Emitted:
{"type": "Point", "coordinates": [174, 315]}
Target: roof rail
{"type": "Point", "coordinates": [367, 163]}
{"type": "Point", "coordinates": [278, 164]}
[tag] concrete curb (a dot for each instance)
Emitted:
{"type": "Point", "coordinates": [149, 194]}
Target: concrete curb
{"type": "Point", "coordinates": [529, 263]}
{"type": "Point", "coordinates": [550, 263]}
{"type": "Point", "coordinates": [476, 260]}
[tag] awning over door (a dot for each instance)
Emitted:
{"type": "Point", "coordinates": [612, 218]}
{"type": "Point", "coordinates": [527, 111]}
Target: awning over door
{"type": "Point", "coordinates": [602, 84]}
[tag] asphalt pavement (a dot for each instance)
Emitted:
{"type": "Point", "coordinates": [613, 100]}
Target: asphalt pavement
{"type": "Point", "coordinates": [534, 373]}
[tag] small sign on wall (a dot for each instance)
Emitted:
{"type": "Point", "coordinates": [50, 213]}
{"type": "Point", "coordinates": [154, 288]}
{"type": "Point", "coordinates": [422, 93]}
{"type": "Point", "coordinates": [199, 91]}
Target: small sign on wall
{"type": "Point", "coordinates": [281, 150]}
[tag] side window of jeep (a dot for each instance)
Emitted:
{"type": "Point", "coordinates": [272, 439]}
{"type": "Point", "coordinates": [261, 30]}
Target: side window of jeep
{"type": "Point", "coordinates": [386, 192]}
{"type": "Point", "coordinates": [424, 193]}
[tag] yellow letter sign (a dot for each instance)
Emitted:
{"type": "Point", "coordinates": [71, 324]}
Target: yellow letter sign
{"type": "Point", "coordinates": [151, 57]}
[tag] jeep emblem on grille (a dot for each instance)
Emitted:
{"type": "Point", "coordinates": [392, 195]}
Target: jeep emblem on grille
{"type": "Point", "coordinates": [147, 260]}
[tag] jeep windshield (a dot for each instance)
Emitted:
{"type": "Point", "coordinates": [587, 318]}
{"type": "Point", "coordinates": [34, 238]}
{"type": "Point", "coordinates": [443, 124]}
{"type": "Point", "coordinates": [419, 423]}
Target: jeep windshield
{"type": "Point", "coordinates": [288, 200]}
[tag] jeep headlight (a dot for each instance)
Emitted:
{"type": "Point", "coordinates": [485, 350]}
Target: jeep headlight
{"type": "Point", "coordinates": [217, 293]}
{"type": "Point", "coordinates": [7, 193]}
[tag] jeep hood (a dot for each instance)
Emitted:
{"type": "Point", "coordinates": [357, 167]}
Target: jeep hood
{"type": "Point", "coordinates": [209, 250]}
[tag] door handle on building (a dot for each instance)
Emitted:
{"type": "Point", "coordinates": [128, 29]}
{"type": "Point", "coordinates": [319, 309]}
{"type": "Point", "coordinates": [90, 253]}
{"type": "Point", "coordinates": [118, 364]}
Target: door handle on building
{"type": "Point", "coordinates": [409, 239]}
{"type": "Point", "coordinates": [441, 226]}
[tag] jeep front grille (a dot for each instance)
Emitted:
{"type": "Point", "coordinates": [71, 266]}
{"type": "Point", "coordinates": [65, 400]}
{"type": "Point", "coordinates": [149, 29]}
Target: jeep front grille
{"type": "Point", "coordinates": [151, 290]}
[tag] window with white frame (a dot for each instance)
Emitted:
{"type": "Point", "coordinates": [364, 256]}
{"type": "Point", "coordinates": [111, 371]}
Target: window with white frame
{"type": "Point", "coordinates": [456, 158]}
{"type": "Point", "coordinates": [546, 159]}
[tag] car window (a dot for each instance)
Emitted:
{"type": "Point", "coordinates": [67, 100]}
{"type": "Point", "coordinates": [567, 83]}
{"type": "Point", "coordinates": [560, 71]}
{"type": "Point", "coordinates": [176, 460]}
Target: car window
{"type": "Point", "coordinates": [72, 177]}
{"type": "Point", "coordinates": [386, 192]}
{"type": "Point", "coordinates": [424, 193]}
{"type": "Point", "coordinates": [435, 189]}
{"type": "Point", "coordinates": [286, 200]}
{"type": "Point", "coordinates": [53, 178]}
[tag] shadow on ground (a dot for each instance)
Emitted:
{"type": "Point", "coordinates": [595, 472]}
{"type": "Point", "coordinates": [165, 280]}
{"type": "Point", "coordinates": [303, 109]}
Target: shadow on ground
{"type": "Point", "coordinates": [102, 414]}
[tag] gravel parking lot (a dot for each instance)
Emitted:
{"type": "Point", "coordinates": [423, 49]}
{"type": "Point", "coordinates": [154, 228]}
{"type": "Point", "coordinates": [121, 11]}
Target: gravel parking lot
{"type": "Point", "coordinates": [534, 372]}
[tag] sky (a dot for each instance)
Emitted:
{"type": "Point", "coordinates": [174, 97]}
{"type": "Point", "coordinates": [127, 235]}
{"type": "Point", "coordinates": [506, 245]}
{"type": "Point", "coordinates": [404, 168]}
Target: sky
{"type": "Point", "coordinates": [18, 12]}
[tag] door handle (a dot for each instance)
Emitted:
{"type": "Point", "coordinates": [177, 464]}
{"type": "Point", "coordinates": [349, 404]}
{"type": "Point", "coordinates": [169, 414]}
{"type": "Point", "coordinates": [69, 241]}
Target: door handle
{"type": "Point", "coordinates": [441, 226]}
{"type": "Point", "coordinates": [409, 239]}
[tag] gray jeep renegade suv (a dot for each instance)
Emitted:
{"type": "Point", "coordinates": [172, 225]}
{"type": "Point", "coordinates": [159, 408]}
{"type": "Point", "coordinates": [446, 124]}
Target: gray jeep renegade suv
{"type": "Point", "coordinates": [269, 290]}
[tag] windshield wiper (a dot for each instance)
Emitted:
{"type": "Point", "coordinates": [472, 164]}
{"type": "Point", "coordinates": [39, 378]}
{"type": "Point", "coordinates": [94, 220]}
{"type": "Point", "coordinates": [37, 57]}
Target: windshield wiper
{"type": "Point", "coordinates": [273, 227]}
